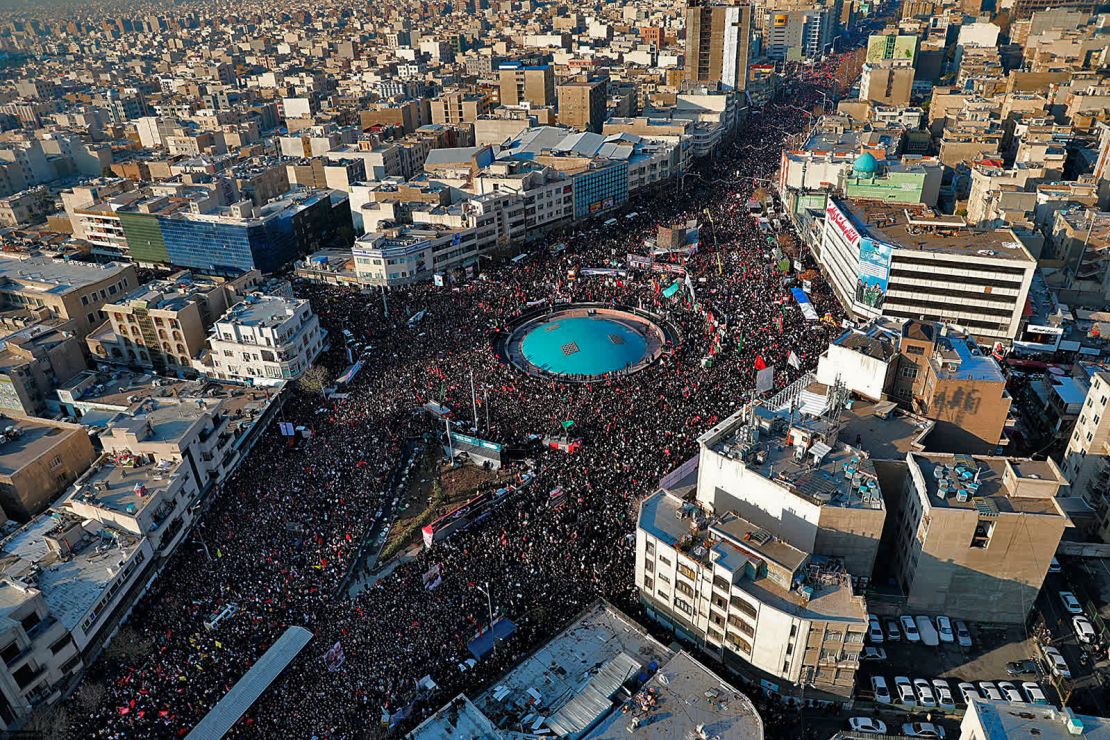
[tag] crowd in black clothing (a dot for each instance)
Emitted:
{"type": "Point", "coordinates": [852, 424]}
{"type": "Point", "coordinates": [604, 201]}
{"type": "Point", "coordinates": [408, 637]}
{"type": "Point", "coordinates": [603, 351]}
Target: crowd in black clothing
{"type": "Point", "coordinates": [282, 534]}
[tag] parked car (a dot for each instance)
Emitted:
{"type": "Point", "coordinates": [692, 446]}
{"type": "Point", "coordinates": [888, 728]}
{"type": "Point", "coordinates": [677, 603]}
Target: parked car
{"type": "Point", "coordinates": [892, 632]}
{"type": "Point", "coordinates": [989, 691]}
{"type": "Point", "coordinates": [944, 694]}
{"type": "Point", "coordinates": [1034, 693]}
{"type": "Point", "coordinates": [880, 690]}
{"type": "Point", "coordinates": [1020, 667]}
{"type": "Point", "coordinates": [944, 629]}
{"type": "Point", "coordinates": [1010, 692]}
{"type": "Point", "coordinates": [922, 729]}
{"type": "Point", "coordinates": [968, 691]}
{"type": "Point", "coordinates": [1084, 630]}
{"type": "Point", "coordinates": [872, 653]}
{"type": "Point", "coordinates": [1070, 602]}
{"type": "Point", "coordinates": [963, 634]}
{"type": "Point", "coordinates": [924, 691]}
{"type": "Point", "coordinates": [867, 725]}
{"type": "Point", "coordinates": [909, 628]}
{"type": "Point", "coordinates": [874, 631]}
{"type": "Point", "coordinates": [1056, 662]}
{"type": "Point", "coordinates": [1055, 567]}
{"type": "Point", "coordinates": [927, 631]}
{"type": "Point", "coordinates": [905, 691]}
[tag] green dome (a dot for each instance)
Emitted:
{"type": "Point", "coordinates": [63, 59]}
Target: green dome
{"type": "Point", "coordinates": [866, 164]}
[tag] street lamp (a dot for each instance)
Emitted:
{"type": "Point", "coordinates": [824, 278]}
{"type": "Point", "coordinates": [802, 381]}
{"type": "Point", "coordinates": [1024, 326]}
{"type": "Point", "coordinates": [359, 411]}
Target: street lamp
{"type": "Point", "coordinates": [489, 606]}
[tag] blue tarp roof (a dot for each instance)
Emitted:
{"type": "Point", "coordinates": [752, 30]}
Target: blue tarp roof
{"type": "Point", "coordinates": [481, 645]}
{"type": "Point", "coordinates": [800, 295]}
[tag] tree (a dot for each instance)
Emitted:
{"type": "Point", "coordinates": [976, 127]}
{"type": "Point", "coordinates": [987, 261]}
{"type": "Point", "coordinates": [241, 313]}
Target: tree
{"type": "Point", "coordinates": [314, 380]}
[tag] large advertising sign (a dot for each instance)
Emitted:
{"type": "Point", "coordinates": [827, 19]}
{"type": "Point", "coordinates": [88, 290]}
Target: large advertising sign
{"type": "Point", "coordinates": [874, 272]}
{"type": "Point", "coordinates": [842, 223]}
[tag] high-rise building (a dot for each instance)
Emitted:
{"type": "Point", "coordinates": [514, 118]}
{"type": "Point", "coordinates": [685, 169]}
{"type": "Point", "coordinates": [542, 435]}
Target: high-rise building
{"type": "Point", "coordinates": [582, 104]}
{"type": "Point", "coordinates": [532, 84]}
{"type": "Point", "coordinates": [718, 41]}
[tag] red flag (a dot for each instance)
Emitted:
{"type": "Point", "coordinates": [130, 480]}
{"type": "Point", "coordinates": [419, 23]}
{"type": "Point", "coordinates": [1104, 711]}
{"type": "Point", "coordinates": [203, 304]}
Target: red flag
{"type": "Point", "coordinates": [759, 363]}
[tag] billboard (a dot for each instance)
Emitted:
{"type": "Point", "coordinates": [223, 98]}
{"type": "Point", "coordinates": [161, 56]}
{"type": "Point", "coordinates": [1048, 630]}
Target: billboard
{"type": "Point", "coordinates": [874, 272]}
{"type": "Point", "coordinates": [840, 221]}
{"type": "Point", "coordinates": [901, 48]}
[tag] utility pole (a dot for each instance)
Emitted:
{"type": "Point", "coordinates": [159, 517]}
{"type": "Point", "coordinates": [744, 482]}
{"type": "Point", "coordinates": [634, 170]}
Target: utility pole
{"type": "Point", "coordinates": [450, 446]}
{"type": "Point", "coordinates": [485, 400]}
{"type": "Point", "coordinates": [385, 301]}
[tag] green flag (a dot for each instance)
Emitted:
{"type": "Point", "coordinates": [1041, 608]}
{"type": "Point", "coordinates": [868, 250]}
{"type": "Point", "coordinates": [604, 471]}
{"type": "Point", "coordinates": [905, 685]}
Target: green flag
{"type": "Point", "coordinates": [568, 423]}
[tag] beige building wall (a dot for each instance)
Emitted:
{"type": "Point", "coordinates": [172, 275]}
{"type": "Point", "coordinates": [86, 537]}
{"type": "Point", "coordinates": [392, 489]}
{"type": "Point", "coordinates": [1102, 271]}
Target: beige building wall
{"type": "Point", "coordinates": [37, 466]}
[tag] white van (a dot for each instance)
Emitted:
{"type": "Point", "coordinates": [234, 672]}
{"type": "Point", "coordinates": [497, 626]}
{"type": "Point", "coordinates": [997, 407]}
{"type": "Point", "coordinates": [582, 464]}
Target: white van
{"type": "Point", "coordinates": [610, 222]}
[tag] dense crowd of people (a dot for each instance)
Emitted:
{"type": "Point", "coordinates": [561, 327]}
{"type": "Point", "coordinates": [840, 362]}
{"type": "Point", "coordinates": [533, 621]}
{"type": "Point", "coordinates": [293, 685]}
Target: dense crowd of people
{"type": "Point", "coordinates": [282, 536]}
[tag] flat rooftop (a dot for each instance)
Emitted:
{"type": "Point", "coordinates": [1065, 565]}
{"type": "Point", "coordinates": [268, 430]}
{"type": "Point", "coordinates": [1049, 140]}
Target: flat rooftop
{"type": "Point", "coordinates": [918, 227]}
{"type": "Point", "coordinates": [1002, 720]}
{"type": "Point", "coordinates": [70, 587]}
{"type": "Point", "coordinates": [886, 437]}
{"type": "Point", "coordinates": [47, 275]}
{"type": "Point", "coordinates": [32, 441]}
{"type": "Point", "coordinates": [678, 699]}
{"type": "Point", "coordinates": [263, 311]}
{"type": "Point", "coordinates": [982, 477]}
{"type": "Point", "coordinates": [124, 483]}
{"type": "Point", "coordinates": [962, 360]}
{"type": "Point", "coordinates": [841, 476]}
{"type": "Point", "coordinates": [575, 675]}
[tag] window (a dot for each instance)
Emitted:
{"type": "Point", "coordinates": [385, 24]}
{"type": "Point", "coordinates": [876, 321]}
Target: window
{"type": "Point", "coordinates": [649, 566]}
{"type": "Point", "coordinates": [683, 606]}
{"type": "Point", "coordinates": [61, 644]}
{"type": "Point", "coordinates": [742, 606]}
{"type": "Point", "coordinates": [649, 584]}
{"type": "Point", "coordinates": [687, 571]}
{"type": "Point", "coordinates": [56, 462]}
{"type": "Point", "coordinates": [30, 621]}
{"type": "Point", "coordinates": [664, 579]}
{"type": "Point", "coordinates": [684, 588]}
{"type": "Point", "coordinates": [915, 350]}
{"type": "Point", "coordinates": [664, 560]}
{"type": "Point", "coordinates": [9, 653]}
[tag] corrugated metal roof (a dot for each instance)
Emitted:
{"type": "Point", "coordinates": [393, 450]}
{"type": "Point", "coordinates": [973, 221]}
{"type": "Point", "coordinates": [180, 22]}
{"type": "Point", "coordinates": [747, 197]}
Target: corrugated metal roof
{"type": "Point", "coordinates": [595, 699]}
{"type": "Point", "coordinates": [248, 688]}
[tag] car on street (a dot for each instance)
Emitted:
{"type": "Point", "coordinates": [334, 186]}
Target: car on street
{"type": "Point", "coordinates": [1084, 630]}
{"type": "Point", "coordinates": [909, 628]}
{"type": "Point", "coordinates": [1020, 667]}
{"type": "Point", "coordinates": [867, 725]}
{"type": "Point", "coordinates": [1010, 692]}
{"type": "Point", "coordinates": [989, 691]}
{"type": "Point", "coordinates": [963, 634]}
{"type": "Point", "coordinates": [944, 694]}
{"type": "Point", "coordinates": [905, 691]}
{"type": "Point", "coordinates": [1034, 693]}
{"type": "Point", "coordinates": [892, 632]}
{"type": "Point", "coordinates": [874, 631]}
{"type": "Point", "coordinates": [880, 690]}
{"type": "Point", "coordinates": [968, 691]}
{"type": "Point", "coordinates": [922, 729]}
{"type": "Point", "coordinates": [944, 629]}
{"type": "Point", "coordinates": [924, 691]}
{"type": "Point", "coordinates": [1071, 604]}
{"type": "Point", "coordinates": [1056, 662]}
{"type": "Point", "coordinates": [872, 653]}
{"type": "Point", "coordinates": [1054, 566]}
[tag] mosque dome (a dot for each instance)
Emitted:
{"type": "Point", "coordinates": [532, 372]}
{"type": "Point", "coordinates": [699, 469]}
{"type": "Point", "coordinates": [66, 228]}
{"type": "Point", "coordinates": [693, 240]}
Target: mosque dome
{"type": "Point", "coordinates": [866, 164]}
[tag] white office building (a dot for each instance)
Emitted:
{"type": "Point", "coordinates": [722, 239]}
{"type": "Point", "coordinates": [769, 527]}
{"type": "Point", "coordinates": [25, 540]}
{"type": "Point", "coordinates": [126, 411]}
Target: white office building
{"type": "Point", "coordinates": [264, 340]}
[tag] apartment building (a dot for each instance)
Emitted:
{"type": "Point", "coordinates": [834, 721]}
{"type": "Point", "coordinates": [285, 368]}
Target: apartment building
{"type": "Point", "coordinates": [908, 262]}
{"type": "Point", "coordinates": [52, 288]}
{"type": "Point", "coordinates": [755, 548]}
{"type": "Point", "coordinates": [64, 581]}
{"type": "Point", "coordinates": [976, 534]}
{"type": "Point", "coordinates": [718, 43]}
{"type": "Point", "coordinates": [582, 104]}
{"type": "Point", "coordinates": [164, 324]}
{"type": "Point", "coordinates": [159, 458]}
{"type": "Point", "coordinates": [886, 83]}
{"type": "Point", "coordinates": [522, 83]}
{"type": "Point", "coordinates": [264, 340]}
{"type": "Point", "coordinates": [458, 107]}
{"type": "Point", "coordinates": [37, 356]}
{"type": "Point", "coordinates": [39, 458]}
{"type": "Point", "coordinates": [1086, 462]}
{"type": "Point", "coordinates": [929, 369]}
